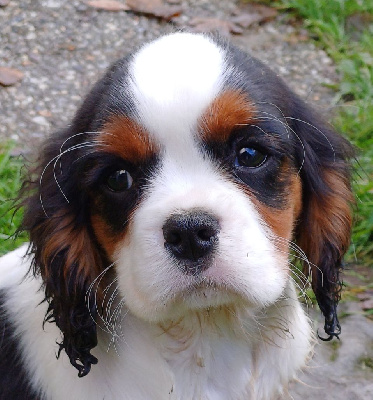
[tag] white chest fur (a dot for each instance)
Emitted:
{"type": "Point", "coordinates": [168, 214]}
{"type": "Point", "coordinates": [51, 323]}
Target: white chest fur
{"type": "Point", "coordinates": [218, 354]}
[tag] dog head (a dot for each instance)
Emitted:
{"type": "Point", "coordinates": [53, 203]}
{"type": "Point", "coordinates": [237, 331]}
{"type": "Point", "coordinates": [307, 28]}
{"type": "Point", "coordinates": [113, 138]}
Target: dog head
{"type": "Point", "coordinates": [194, 171]}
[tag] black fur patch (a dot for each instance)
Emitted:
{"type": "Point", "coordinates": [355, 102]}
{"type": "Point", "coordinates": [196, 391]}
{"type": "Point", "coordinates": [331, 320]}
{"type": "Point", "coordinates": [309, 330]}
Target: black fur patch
{"type": "Point", "coordinates": [14, 380]}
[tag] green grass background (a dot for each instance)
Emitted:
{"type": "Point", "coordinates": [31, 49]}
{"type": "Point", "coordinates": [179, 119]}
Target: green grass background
{"type": "Point", "coordinates": [10, 183]}
{"type": "Point", "coordinates": [344, 28]}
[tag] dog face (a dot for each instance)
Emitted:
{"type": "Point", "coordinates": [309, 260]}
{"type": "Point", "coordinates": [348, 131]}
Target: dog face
{"type": "Point", "coordinates": [190, 168]}
{"type": "Point", "coordinates": [197, 236]}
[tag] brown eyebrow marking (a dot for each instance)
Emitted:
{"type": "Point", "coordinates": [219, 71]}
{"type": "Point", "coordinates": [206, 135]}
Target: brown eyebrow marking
{"type": "Point", "coordinates": [229, 110]}
{"type": "Point", "coordinates": [126, 138]}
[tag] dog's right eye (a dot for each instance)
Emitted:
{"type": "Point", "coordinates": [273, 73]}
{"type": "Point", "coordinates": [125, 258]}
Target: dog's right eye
{"type": "Point", "coordinates": [119, 181]}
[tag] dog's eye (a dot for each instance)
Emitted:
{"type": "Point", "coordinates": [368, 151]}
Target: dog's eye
{"type": "Point", "coordinates": [119, 181]}
{"type": "Point", "coordinates": [250, 157]}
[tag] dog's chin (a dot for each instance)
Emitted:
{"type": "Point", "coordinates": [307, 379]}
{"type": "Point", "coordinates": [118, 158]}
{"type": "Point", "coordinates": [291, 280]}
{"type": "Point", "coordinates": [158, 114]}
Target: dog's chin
{"type": "Point", "coordinates": [181, 294]}
{"type": "Point", "coordinates": [205, 295]}
{"type": "Point", "coordinates": [197, 297]}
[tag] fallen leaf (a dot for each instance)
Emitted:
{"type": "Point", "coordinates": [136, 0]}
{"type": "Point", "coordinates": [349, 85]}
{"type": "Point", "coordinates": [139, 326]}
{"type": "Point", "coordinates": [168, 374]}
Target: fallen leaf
{"type": "Point", "coordinates": [245, 20]}
{"type": "Point", "coordinates": [223, 27]}
{"type": "Point", "coordinates": [249, 14]}
{"type": "Point", "coordinates": [297, 37]}
{"type": "Point", "coordinates": [45, 113]}
{"type": "Point", "coordinates": [9, 76]}
{"type": "Point", "coordinates": [26, 62]}
{"type": "Point", "coordinates": [67, 46]}
{"type": "Point", "coordinates": [4, 3]}
{"type": "Point", "coordinates": [107, 5]}
{"type": "Point", "coordinates": [155, 8]}
{"type": "Point", "coordinates": [367, 305]}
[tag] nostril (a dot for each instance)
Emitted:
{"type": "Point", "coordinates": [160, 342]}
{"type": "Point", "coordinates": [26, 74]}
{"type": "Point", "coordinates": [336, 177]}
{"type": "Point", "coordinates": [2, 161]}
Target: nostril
{"type": "Point", "coordinates": [173, 237]}
{"type": "Point", "coordinates": [206, 234]}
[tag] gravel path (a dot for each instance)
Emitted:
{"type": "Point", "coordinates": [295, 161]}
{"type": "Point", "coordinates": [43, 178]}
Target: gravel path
{"type": "Point", "coordinates": [63, 46]}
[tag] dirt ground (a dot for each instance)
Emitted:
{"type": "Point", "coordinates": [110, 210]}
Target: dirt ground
{"type": "Point", "coordinates": [343, 370]}
{"type": "Point", "coordinates": [63, 46]}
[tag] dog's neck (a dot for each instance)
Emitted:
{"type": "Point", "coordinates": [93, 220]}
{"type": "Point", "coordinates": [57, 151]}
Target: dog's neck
{"type": "Point", "coordinates": [195, 354]}
{"type": "Point", "coordinates": [217, 354]}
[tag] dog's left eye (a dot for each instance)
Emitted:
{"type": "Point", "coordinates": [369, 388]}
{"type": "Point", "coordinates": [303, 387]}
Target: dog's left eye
{"type": "Point", "coordinates": [119, 181]}
{"type": "Point", "coordinates": [250, 157]}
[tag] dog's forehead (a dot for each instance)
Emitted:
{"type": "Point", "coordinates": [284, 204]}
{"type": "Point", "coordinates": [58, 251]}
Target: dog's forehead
{"type": "Point", "coordinates": [173, 80]}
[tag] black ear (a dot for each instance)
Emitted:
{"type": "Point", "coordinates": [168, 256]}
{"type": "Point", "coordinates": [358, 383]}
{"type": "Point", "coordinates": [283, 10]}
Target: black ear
{"type": "Point", "coordinates": [324, 227]}
{"type": "Point", "coordinates": [56, 215]}
{"type": "Point", "coordinates": [64, 250]}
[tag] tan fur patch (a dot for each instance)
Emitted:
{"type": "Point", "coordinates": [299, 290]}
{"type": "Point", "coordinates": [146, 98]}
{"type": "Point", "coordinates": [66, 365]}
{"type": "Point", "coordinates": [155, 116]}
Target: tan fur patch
{"type": "Point", "coordinates": [126, 138]}
{"type": "Point", "coordinates": [282, 221]}
{"type": "Point", "coordinates": [329, 218]}
{"type": "Point", "coordinates": [226, 113]}
{"type": "Point", "coordinates": [104, 235]}
{"type": "Point", "coordinates": [76, 244]}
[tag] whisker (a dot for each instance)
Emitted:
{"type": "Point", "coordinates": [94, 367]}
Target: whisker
{"type": "Point", "coordinates": [302, 256]}
{"type": "Point", "coordinates": [112, 297]}
{"type": "Point", "coordinates": [84, 155]}
{"type": "Point", "coordinates": [97, 281]}
{"type": "Point", "coordinates": [302, 291]}
{"type": "Point", "coordinates": [278, 109]}
{"type": "Point", "coordinates": [110, 319]}
{"type": "Point", "coordinates": [55, 160]}
{"type": "Point", "coordinates": [316, 129]}
{"type": "Point", "coordinates": [74, 136]}
{"type": "Point", "coordinates": [287, 127]}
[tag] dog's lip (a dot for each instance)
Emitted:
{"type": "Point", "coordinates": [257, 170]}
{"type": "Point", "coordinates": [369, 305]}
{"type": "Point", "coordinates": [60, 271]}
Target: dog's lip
{"type": "Point", "coordinates": [206, 288]}
{"type": "Point", "coordinates": [206, 283]}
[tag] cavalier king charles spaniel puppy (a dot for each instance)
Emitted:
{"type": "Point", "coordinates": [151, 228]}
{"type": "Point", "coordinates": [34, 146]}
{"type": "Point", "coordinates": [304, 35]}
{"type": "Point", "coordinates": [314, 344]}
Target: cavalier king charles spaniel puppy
{"type": "Point", "coordinates": [163, 224]}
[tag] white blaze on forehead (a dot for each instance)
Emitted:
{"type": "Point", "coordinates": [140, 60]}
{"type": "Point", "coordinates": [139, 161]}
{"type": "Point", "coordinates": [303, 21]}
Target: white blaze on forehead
{"type": "Point", "coordinates": [173, 80]}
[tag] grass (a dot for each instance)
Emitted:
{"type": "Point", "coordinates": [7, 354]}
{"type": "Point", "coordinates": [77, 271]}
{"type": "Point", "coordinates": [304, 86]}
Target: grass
{"type": "Point", "coordinates": [334, 346]}
{"type": "Point", "coordinates": [344, 29]}
{"type": "Point", "coordinates": [365, 363]}
{"type": "Point", "coordinates": [10, 182]}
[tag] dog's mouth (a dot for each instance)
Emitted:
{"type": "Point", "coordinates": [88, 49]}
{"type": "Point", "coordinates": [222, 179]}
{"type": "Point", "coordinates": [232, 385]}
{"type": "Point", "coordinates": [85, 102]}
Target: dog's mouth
{"type": "Point", "coordinates": [205, 293]}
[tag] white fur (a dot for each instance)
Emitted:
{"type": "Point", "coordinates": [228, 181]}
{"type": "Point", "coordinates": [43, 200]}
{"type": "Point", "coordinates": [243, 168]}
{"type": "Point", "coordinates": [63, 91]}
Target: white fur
{"type": "Point", "coordinates": [247, 355]}
{"type": "Point", "coordinates": [246, 264]}
{"type": "Point", "coordinates": [237, 330]}
{"type": "Point", "coordinates": [172, 80]}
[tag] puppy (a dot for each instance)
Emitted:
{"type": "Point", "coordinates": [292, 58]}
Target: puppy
{"type": "Point", "coordinates": [163, 222]}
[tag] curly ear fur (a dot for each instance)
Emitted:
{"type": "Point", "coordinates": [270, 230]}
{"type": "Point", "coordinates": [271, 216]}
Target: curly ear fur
{"type": "Point", "coordinates": [324, 228]}
{"type": "Point", "coordinates": [66, 256]}
{"type": "Point", "coordinates": [64, 248]}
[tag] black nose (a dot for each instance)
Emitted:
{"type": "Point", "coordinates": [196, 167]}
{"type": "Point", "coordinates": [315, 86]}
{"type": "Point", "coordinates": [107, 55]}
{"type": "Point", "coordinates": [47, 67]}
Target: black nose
{"type": "Point", "coordinates": [191, 237]}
